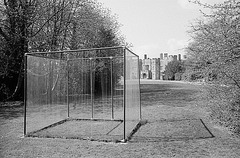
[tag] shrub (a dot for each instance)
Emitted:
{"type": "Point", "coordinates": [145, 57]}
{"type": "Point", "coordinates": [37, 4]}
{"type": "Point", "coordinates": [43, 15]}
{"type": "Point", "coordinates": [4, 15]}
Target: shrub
{"type": "Point", "coordinates": [224, 103]}
{"type": "Point", "coordinates": [190, 75]}
{"type": "Point", "coordinates": [178, 76]}
{"type": "Point", "coordinates": [172, 68]}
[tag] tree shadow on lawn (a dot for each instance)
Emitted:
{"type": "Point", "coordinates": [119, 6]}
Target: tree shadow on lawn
{"type": "Point", "coordinates": [11, 110]}
{"type": "Point", "coordinates": [172, 130]}
{"type": "Point", "coordinates": [167, 94]}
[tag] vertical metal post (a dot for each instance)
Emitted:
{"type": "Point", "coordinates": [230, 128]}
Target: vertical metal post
{"type": "Point", "coordinates": [124, 94]}
{"type": "Point", "coordinates": [25, 96]}
{"type": "Point", "coordinates": [68, 113]}
{"type": "Point", "coordinates": [111, 61]}
{"type": "Point", "coordinates": [91, 84]}
{"type": "Point", "coordinates": [139, 76]}
{"type": "Point", "coordinates": [50, 82]}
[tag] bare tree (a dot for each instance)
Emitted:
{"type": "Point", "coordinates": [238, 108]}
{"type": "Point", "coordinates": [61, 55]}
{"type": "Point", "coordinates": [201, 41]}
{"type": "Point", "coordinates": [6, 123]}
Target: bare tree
{"type": "Point", "coordinates": [46, 25]}
{"type": "Point", "coordinates": [215, 53]}
{"type": "Point", "coordinates": [215, 40]}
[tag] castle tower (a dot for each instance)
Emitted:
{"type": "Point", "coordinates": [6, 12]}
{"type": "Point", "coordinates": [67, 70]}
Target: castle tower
{"type": "Point", "coordinates": [179, 57]}
{"type": "Point", "coordinates": [145, 56]}
{"type": "Point", "coordinates": [161, 56]}
{"type": "Point", "coordinates": [165, 55]}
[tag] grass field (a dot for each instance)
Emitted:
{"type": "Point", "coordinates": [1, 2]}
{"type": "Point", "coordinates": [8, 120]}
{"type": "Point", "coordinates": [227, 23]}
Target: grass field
{"type": "Point", "coordinates": [177, 126]}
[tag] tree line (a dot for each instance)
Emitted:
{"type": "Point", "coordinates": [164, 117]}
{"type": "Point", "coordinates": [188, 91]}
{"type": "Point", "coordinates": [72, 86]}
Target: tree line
{"type": "Point", "coordinates": [214, 57]}
{"type": "Point", "coordinates": [49, 25]}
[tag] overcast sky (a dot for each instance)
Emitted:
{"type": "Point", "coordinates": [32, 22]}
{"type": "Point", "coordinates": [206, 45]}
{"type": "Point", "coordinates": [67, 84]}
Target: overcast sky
{"type": "Point", "coordinates": [155, 26]}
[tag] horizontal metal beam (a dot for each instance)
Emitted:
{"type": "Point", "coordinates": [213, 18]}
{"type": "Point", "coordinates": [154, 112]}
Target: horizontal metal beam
{"type": "Point", "coordinates": [72, 51]}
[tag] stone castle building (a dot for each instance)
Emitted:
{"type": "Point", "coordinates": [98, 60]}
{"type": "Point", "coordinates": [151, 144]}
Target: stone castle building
{"type": "Point", "coordinates": [154, 68]}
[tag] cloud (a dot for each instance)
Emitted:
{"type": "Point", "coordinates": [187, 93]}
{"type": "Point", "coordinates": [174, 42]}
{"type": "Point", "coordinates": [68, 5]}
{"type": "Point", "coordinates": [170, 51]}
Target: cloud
{"type": "Point", "coordinates": [152, 50]}
{"type": "Point", "coordinates": [186, 4]}
{"type": "Point", "coordinates": [145, 48]}
{"type": "Point", "coordinates": [189, 5]}
{"type": "Point", "coordinates": [175, 45]}
{"type": "Point", "coordinates": [171, 46]}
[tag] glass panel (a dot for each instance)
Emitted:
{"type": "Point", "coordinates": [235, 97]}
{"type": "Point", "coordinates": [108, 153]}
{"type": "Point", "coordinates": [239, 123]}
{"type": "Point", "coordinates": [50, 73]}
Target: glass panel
{"type": "Point", "coordinates": [46, 91]}
{"type": "Point", "coordinates": [132, 99]}
{"type": "Point", "coordinates": [83, 91]}
{"type": "Point", "coordinates": [79, 88]}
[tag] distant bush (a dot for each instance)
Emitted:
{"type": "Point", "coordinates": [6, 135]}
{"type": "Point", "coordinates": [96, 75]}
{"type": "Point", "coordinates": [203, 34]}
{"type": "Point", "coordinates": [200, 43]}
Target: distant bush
{"type": "Point", "coordinates": [178, 76]}
{"type": "Point", "coordinates": [189, 75]}
{"type": "Point", "coordinates": [213, 57]}
{"type": "Point", "coordinates": [224, 102]}
{"type": "Point", "coordinates": [185, 76]}
{"type": "Point", "coordinates": [172, 68]}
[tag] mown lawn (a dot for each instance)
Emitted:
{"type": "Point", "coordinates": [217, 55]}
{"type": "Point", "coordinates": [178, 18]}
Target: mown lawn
{"type": "Point", "coordinates": [177, 126]}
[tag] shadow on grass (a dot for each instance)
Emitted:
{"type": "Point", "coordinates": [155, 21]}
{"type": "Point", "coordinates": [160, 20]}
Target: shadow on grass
{"type": "Point", "coordinates": [11, 110]}
{"type": "Point", "coordinates": [168, 94]}
{"type": "Point", "coordinates": [84, 129]}
{"type": "Point", "coordinates": [172, 130]}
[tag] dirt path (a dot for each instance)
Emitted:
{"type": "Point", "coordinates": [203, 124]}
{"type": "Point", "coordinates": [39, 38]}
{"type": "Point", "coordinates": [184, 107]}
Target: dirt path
{"type": "Point", "coordinates": [177, 126]}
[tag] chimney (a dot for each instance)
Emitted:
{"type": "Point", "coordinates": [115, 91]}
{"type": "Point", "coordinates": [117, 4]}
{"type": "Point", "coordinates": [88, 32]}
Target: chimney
{"type": "Point", "coordinates": [161, 55]}
{"type": "Point", "coordinates": [165, 55]}
{"type": "Point", "coordinates": [175, 57]}
{"type": "Point", "coordinates": [145, 56]}
{"type": "Point", "coordinates": [179, 57]}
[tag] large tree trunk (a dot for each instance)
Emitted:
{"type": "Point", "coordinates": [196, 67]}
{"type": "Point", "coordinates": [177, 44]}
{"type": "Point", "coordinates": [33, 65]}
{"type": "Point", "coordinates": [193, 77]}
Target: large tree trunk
{"type": "Point", "coordinates": [17, 45]}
